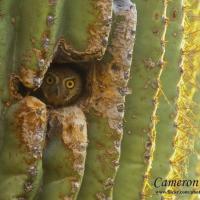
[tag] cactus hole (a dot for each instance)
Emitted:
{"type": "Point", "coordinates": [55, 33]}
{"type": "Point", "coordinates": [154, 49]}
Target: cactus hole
{"type": "Point", "coordinates": [80, 69]}
{"type": "Point", "coordinates": [18, 90]}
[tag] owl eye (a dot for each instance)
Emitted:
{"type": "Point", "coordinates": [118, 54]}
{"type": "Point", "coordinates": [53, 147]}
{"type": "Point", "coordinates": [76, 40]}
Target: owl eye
{"type": "Point", "coordinates": [50, 80]}
{"type": "Point", "coordinates": [70, 84]}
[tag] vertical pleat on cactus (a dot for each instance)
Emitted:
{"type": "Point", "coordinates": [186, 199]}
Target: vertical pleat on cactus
{"type": "Point", "coordinates": [139, 137]}
{"type": "Point", "coordinates": [18, 171]}
{"type": "Point", "coordinates": [21, 151]}
{"type": "Point", "coordinates": [64, 155]}
{"type": "Point", "coordinates": [105, 119]}
{"type": "Point", "coordinates": [186, 119]}
{"type": "Point", "coordinates": [166, 112]}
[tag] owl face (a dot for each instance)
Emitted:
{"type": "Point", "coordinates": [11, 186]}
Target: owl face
{"type": "Point", "coordinates": [61, 86]}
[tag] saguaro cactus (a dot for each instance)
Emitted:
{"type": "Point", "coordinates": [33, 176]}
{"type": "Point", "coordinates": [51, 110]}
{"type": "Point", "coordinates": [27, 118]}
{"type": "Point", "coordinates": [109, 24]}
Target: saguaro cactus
{"type": "Point", "coordinates": [110, 77]}
{"type": "Point", "coordinates": [141, 105]}
{"type": "Point", "coordinates": [30, 43]}
{"type": "Point", "coordinates": [50, 151]}
{"type": "Point", "coordinates": [157, 111]}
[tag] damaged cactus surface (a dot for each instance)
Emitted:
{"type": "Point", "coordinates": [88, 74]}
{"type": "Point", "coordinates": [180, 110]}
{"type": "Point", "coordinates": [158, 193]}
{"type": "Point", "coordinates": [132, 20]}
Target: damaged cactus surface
{"type": "Point", "coordinates": [35, 38]}
{"type": "Point", "coordinates": [105, 118]}
{"type": "Point", "coordinates": [64, 155]}
{"type": "Point", "coordinates": [21, 151]}
{"type": "Point", "coordinates": [83, 29]}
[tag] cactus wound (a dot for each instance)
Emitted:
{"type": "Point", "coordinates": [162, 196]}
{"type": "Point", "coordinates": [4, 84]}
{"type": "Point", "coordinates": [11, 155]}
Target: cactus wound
{"type": "Point", "coordinates": [23, 143]}
{"type": "Point", "coordinates": [36, 49]}
{"type": "Point", "coordinates": [64, 155]}
{"type": "Point", "coordinates": [33, 57]}
{"type": "Point", "coordinates": [97, 31]}
{"type": "Point", "coordinates": [109, 79]}
{"type": "Point", "coordinates": [31, 134]}
{"type": "Point", "coordinates": [111, 75]}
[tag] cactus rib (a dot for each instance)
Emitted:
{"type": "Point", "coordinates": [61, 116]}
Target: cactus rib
{"type": "Point", "coordinates": [107, 105]}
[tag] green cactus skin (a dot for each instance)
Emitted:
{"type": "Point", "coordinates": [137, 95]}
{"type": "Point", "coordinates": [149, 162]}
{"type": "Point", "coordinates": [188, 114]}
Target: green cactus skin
{"type": "Point", "coordinates": [138, 141]}
{"type": "Point", "coordinates": [105, 118]}
{"type": "Point", "coordinates": [21, 152]}
{"type": "Point", "coordinates": [29, 56]}
{"type": "Point", "coordinates": [30, 33]}
{"type": "Point", "coordinates": [166, 112]}
{"type": "Point", "coordinates": [64, 155]}
{"type": "Point", "coordinates": [187, 131]}
{"type": "Point", "coordinates": [84, 32]}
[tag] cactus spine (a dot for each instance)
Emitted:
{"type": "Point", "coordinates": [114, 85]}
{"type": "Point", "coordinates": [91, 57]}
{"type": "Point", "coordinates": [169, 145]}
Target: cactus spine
{"type": "Point", "coordinates": [139, 138]}
{"type": "Point", "coordinates": [185, 119]}
{"type": "Point", "coordinates": [106, 120]}
{"type": "Point", "coordinates": [165, 94]}
{"type": "Point", "coordinates": [166, 111]}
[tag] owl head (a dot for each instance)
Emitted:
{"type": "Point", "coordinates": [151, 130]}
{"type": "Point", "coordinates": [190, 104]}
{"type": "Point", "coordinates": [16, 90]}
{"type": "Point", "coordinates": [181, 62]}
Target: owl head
{"type": "Point", "coordinates": [61, 86]}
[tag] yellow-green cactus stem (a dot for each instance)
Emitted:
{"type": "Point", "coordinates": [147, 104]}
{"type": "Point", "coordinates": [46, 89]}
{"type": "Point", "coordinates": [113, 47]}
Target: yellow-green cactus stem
{"type": "Point", "coordinates": [105, 119]}
{"type": "Point", "coordinates": [194, 161]}
{"type": "Point", "coordinates": [185, 119]}
{"type": "Point", "coordinates": [139, 137]}
{"type": "Point", "coordinates": [166, 111]}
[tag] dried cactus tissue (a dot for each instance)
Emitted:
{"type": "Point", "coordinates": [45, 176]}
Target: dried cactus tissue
{"type": "Point", "coordinates": [99, 100]}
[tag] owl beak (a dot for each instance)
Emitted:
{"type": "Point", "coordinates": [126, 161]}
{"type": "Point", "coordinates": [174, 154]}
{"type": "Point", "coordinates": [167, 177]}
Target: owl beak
{"type": "Point", "coordinates": [57, 91]}
{"type": "Point", "coordinates": [64, 92]}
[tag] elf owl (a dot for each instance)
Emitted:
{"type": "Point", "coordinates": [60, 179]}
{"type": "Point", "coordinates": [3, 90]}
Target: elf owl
{"type": "Point", "coordinates": [61, 86]}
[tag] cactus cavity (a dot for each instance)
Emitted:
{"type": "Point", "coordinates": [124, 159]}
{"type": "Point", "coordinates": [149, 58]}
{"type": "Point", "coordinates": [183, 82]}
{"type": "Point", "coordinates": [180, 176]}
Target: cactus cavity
{"type": "Point", "coordinates": [105, 120]}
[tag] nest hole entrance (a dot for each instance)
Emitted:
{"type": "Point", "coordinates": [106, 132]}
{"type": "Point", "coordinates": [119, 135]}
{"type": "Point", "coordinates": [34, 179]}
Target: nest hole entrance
{"type": "Point", "coordinates": [80, 68]}
{"type": "Point", "coordinates": [84, 70]}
